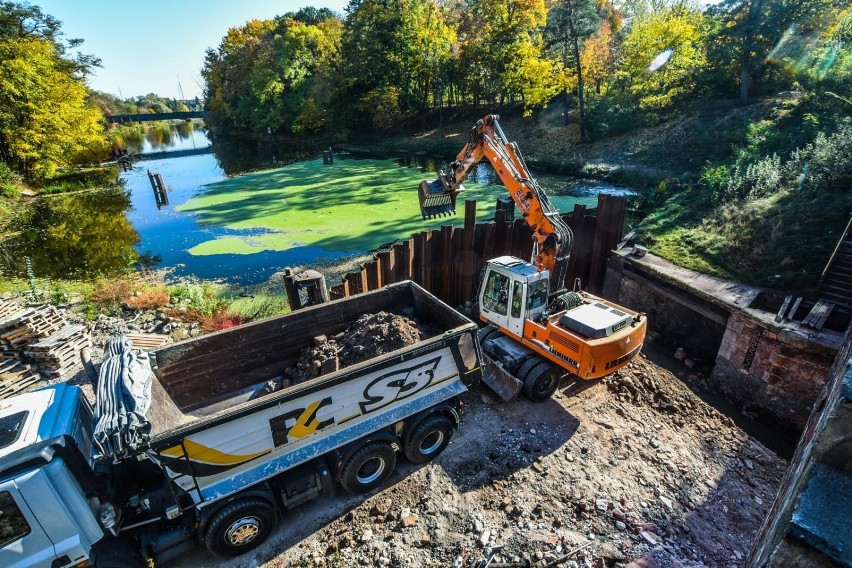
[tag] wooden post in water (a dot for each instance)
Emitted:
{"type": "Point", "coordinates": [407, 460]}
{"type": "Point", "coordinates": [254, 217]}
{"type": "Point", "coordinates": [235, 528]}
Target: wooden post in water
{"type": "Point", "coordinates": [159, 187]}
{"type": "Point", "coordinates": [311, 281]}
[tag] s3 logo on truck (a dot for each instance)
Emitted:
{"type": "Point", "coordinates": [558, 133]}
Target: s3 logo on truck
{"type": "Point", "coordinates": [398, 385]}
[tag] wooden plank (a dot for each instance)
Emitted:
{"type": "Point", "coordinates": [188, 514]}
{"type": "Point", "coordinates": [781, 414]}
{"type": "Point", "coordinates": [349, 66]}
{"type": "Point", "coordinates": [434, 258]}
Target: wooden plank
{"type": "Point", "coordinates": [386, 267]}
{"type": "Point", "coordinates": [792, 313]}
{"type": "Point", "coordinates": [575, 224]}
{"type": "Point", "coordinates": [398, 263]}
{"type": "Point", "coordinates": [599, 251]}
{"type": "Point", "coordinates": [446, 263]}
{"type": "Point", "coordinates": [782, 311]}
{"type": "Point", "coordinates": [373, 275]}
{"type": "Point", "coordinates": [408, 259]}
{"type": "Point", "coordinates": [426, 262]}
{"type": "Point", "coordinates": [417, 261]}
{"type": "Point", "coordinates": [819, 323]}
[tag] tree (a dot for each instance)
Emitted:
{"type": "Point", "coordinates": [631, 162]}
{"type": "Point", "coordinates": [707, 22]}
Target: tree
{"type": "Point", "coordinates": [501, 55]}
{"type": "Point", "coordinates": [663, 52]}
{"type": "Point", "coordinates": [46, 122]}
{"type": "Point", "coordinates": [569, 23]}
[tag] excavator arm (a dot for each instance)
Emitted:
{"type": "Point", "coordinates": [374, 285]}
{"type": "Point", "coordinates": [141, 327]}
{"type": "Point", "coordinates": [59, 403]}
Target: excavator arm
{"type": "Point", "coordinates": [552, 237]}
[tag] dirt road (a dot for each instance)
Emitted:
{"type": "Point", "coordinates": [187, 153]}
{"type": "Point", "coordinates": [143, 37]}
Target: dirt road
{"type": "Point", "coordinates": [632, 467]}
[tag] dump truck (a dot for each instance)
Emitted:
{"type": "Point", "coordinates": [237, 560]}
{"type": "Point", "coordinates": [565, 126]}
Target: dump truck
{"type": "Point", "coordinates": [215, 461]}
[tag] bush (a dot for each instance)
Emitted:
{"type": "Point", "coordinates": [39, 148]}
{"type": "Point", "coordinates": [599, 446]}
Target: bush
{"type": "Point", "coordinates": [608, 117]}
{"type": "Point", "coordinates": [148, 299]}
{"type": "Point", "coordinates": [10, 182]}
{"type": "Point", "coordinates": [221, 319]}
{"type": "Point", "coordinates": [111, 291]}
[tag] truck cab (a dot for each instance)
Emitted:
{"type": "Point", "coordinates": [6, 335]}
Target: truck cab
{"type": "Point", "coordinates": [47, 495]}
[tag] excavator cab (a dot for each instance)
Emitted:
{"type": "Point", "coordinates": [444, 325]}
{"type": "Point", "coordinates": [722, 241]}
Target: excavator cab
{"type": "Point", "coordinates": [437, 199]}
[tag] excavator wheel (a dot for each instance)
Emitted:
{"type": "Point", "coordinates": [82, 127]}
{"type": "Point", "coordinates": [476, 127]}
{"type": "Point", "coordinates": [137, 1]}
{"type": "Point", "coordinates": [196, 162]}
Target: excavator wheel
{"type": "Point", "coordinates": [488, 332]}
{"type": "Point", "coordinates": [542, 381]}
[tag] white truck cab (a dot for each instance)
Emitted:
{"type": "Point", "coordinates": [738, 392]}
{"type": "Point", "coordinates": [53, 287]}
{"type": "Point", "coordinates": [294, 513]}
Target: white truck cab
{"type": "Point", "coordinates": [47, 502]}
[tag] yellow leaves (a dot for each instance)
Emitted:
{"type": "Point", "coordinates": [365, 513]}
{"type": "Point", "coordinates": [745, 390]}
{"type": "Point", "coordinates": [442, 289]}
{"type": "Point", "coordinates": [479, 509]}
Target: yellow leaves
{"type": "Point", "coordinates": [676, 29]}
{"type": "Point", "coordinates": [45, 116]}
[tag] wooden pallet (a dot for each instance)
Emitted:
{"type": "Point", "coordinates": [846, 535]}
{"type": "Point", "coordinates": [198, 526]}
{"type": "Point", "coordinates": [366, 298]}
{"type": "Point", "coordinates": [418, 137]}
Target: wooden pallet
{"type": "Point", "coordinates": [8, 307]}
{"type": "Point", "coordinates": [28, 325]}
{"type": "Point", "coordinates": [146, 341]}
{"type": "Point", "coordinates": [16, 376]}
{"type": "Point", "coordinates": [58, 355]}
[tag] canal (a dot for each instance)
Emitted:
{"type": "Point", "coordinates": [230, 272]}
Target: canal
{"type": "Point", "coordinates": [241, 229]}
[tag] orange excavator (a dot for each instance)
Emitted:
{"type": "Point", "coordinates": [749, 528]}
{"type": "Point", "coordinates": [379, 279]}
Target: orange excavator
{"type": "Point", "coordinates": [537, 331]}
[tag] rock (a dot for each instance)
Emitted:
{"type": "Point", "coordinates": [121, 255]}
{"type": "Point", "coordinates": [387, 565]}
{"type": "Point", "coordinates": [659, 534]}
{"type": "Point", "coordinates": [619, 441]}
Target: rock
{"type": "Point", "coordinates": [345, 541]}
{"type": "Point", "coordinates": [383, 561]}
{"type": "Point", "coordinates": [539, 556]}
{"type": "Point", "coordinates": [484, 537]}
{"type": "Point", "coordinates": [601, 505]}
{"type": "Point", "coordinates": [404, 512]}
{"type": "Point", "coordinates": [620, 526]}
{"type": "Point", "coordinates": [666, 502]}
{"type": "Point", "coordinates": [320, 340]}
{"type": "Point", "coordinates": [366, 536]}
{"type": "Point", "coordinates": [380, 508]}
{"type": "Point", "coordinates": [426, 540]}
{"type": "Point", "coordinates": [649, 538]}
{"type": "Point", "coordinates": [679, 354]}
{"type": "Point", "coordinates": [408, 521]}
{"type": "Point", "coordinates": [689, 363]}
{"type": "Point", "coordinates": [478, 526]}
{"type": "Point", "coordinates": [654, 443]}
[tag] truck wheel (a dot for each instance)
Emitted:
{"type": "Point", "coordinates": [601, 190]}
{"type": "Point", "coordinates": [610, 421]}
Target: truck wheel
{"type": "Point", "coordinates": [239, 527]}
{"type": "Point", "coordinates": [541, 382]}
{"type": "Point", "coordinates": [429, 439]}
{"type": "Point", "coordinates": [368, 467]}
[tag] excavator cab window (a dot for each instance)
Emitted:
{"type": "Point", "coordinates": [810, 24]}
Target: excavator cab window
{"type": "Point", "coordinates": [496, 297]}
{"type": "Point", "coordinates": [517, 298]}
{"type": "Point", "coordinates": [537, 294]}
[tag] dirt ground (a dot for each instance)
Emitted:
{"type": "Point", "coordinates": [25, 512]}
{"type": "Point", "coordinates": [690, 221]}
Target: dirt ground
{"type": "Point", "coordinates": [634, 468]}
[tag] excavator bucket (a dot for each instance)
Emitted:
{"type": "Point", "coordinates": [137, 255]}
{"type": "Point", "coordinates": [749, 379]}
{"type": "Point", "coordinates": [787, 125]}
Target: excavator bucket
{"type": "Point", "coordinates": [435, 201]}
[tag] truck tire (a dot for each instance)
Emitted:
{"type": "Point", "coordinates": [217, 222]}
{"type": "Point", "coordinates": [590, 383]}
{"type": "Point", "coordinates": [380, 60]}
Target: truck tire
{"type": "Point", "coordinates": [429, 439]}
{"type": "Point", "coordinates": [542, 381]}
{"type": "Point", "coordinates": [368, 467]}
{"type": "Point", "coordinates": [239, 527]}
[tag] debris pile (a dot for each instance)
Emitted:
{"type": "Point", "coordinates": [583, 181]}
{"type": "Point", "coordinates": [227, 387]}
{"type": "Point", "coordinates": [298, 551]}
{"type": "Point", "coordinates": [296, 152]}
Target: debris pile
{"type": "Point", "coordinates": [371, 335]}
{"type": "Point", "coordinates": [15, 377]}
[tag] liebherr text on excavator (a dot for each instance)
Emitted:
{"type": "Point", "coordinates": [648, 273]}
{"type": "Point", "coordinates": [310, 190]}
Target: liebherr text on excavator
{"type": "Point", "coordinates": [537, 330]}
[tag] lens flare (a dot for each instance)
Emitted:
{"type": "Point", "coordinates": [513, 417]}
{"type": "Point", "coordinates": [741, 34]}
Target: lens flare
{"type": "Point", "coordinates": [659, 60]}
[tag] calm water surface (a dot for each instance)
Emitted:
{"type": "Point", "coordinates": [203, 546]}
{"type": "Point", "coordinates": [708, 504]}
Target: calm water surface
{"type": "Point", "coordinates": [89, 233]}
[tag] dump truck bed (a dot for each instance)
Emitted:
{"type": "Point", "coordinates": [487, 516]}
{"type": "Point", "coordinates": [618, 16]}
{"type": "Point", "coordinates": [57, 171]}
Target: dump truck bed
{"type": "Point", "coordinates": [207, 428]}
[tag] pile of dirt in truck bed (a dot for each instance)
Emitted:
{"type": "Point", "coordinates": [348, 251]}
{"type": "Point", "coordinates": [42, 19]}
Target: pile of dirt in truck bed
{"type": "Point", "coordinates": [634, 470]}
{"type": "Point", "coordinates": [369, 336]}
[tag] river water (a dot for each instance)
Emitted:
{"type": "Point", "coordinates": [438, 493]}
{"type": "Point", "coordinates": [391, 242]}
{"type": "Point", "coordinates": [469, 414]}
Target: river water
{"type": "Point", "coordinates": [92, 233]}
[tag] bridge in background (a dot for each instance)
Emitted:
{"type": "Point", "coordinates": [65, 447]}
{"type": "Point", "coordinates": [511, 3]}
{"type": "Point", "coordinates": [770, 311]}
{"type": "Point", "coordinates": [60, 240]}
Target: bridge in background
{"type": "Point", "coordinates": [125, 118]}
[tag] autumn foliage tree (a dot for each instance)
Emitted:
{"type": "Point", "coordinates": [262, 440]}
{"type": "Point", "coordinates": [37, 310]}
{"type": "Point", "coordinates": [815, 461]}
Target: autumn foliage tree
{"type": "Point", "coordinates": [46, 121]}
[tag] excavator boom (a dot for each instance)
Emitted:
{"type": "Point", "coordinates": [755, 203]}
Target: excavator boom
{"type": "Point", "coordinates": [552, 237]}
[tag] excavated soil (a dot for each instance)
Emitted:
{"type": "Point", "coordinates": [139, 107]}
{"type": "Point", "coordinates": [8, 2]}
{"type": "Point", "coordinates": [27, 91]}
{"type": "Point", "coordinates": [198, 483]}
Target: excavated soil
{"type": "Point", "coordinates": [371, 335]}
{"type": "Point", "coordinates": [634, 470]}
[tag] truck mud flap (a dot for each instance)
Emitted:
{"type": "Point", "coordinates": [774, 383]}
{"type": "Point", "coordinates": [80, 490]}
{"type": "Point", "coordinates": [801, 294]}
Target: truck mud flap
{"type": "Point", "coordinates": [499, 379]}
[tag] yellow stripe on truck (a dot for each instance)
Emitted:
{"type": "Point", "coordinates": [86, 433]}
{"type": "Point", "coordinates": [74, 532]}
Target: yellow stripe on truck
{"type": "Point", "coordinates": [202, 454]}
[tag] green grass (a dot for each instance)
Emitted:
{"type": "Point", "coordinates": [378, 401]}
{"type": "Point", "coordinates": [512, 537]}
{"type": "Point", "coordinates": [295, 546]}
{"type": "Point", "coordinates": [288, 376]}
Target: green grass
{"type": "Point", "coordinates": [353, 205]}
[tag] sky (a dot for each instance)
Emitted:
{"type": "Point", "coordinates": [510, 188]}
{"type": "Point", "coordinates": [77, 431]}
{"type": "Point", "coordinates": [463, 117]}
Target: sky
{"type": "Point", "coordinates": [147, 47]}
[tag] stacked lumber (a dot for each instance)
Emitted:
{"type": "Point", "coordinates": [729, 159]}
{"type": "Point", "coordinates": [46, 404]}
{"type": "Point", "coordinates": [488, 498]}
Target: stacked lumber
{"type": "Point", "coordinates": [15, 376]}
{"type": "Point", "coordinates": [58, 355]}
{"type": "Point", "coordinates": [25, 326]}
{"type": "Point", "coordinates": [8, 307]}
